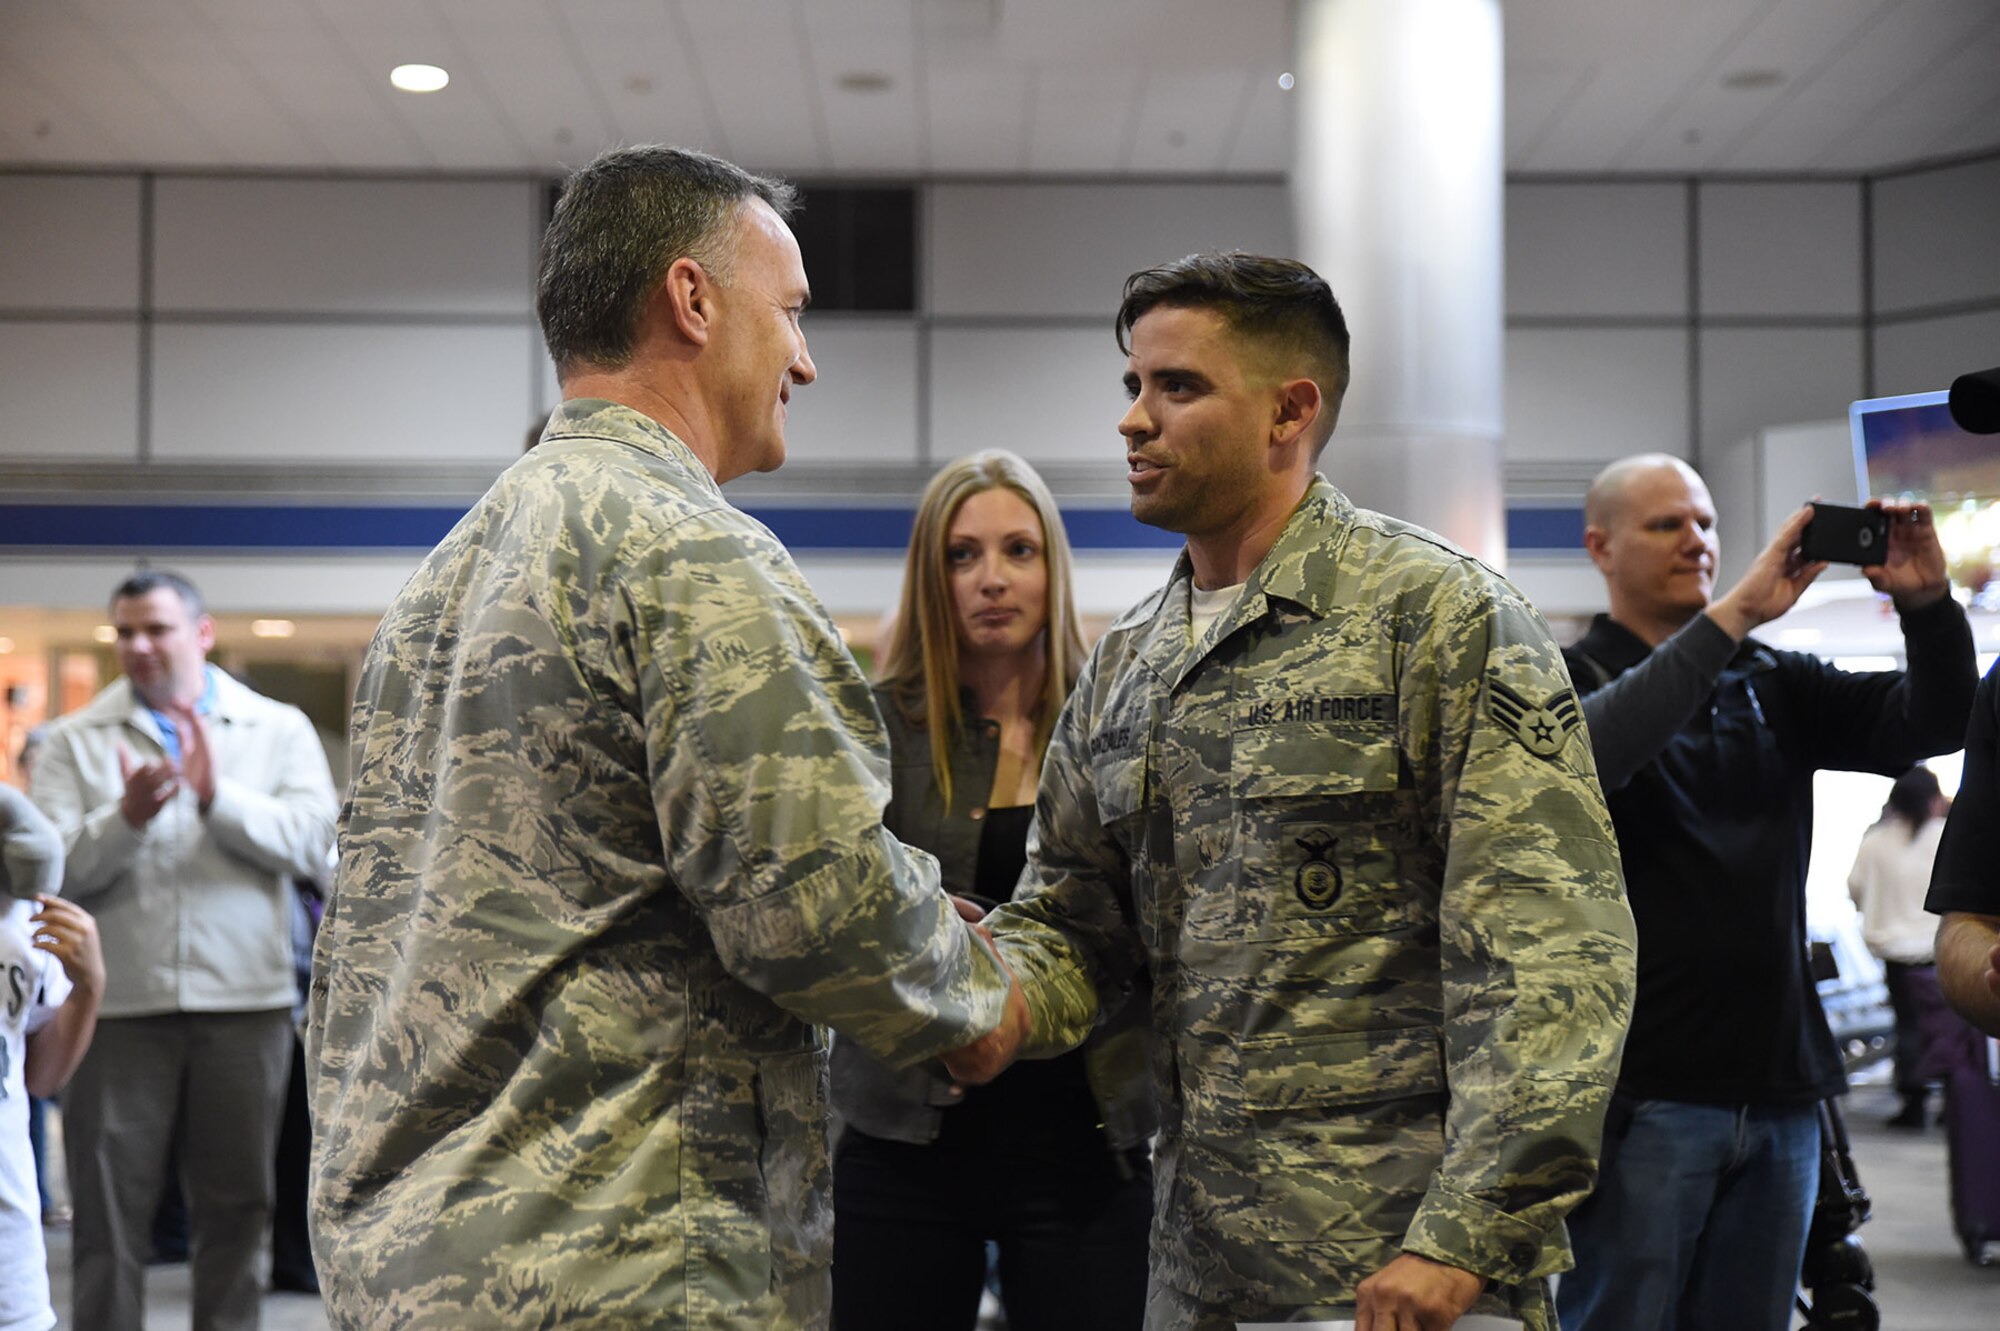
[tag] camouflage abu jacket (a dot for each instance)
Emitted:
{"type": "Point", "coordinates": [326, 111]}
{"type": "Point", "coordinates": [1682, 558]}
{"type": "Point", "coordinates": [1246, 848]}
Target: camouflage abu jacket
{"type": "Point", "coordinates": [1354, 836]}
{"type": "Point", "coordinates": [613, 847]}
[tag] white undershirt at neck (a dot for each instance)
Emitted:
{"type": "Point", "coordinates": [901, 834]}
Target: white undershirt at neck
{"type": "Point", "coordinates": [1204, 608]}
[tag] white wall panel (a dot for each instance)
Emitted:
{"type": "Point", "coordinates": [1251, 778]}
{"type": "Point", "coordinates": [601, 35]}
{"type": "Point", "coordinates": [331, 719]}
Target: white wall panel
{"type": "Point", "coordinates": [315, 393]}
{"type": "Point", "coordinates": [1596, 394]}
{"type": "Point", "coordinates": [863, 406]}
{"type": "Point", "coordinates": [71, 391]}
{"type": "Point", "coordinates": [346, 246]}
{"type": "Point", "coordinates": [1754, 378]}
{"type": "Point", "coordinates": [1067, 249]}
{"type": "Point", "coordinates": [1049, 394]}
{"type": "Point", "coordinates": [1602, 250]}
{"type": "Point", "coordinates": [1937, 237]}
{"type": "Point", "coordinates": [69, 242]}
{"type": "Point", "coordinates": [1785, 249]}
{"type": "Point", "coordinates": [1925, 355]}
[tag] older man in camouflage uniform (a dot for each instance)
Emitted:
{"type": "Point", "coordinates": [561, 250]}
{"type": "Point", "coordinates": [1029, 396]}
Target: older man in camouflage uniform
{"type": "Point", "coordinates": [1328, 789]}
{"type": "Point", "coordinates": [614, 843]}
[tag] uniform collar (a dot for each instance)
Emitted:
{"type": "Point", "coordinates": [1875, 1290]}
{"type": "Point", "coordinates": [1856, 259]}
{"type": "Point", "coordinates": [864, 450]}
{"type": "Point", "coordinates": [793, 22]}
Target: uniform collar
{"type": "Point", "coordinates": [1301, 568]}
{"type": "Point", "coordinates": [597, 418]}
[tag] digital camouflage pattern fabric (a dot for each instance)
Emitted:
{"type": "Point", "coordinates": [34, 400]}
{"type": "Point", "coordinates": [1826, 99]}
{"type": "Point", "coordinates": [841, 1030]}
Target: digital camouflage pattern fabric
{"type": "Point", "coordinates": [1354, 835]}
{"type": "Point", "coordinates": [613, 847]}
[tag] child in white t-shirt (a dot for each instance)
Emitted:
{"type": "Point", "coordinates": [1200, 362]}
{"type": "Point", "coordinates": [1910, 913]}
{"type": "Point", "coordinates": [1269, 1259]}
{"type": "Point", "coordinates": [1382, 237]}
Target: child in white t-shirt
{"type": "Point", "coordinates": [51, 977]}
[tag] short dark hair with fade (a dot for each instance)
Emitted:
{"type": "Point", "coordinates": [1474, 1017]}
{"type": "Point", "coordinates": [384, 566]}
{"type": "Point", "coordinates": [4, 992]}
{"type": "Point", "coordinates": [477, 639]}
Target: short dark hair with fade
{"type": "Point", "coordinates": [149, 580]}
{"type": "Point", "coordinates": [1277, 301]}
{"type": "Point", "coordinates": [621, 222]}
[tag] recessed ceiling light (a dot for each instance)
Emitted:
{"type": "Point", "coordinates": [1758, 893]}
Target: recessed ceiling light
{"type": "Point", "coordinates": [1285, 81]}
{"type": "Point", "coordinates": [418, 78]}
{"type": "Point", "coordinates": [104, 633]}
{"type": "Point", "coordinates": [864, 80]}
{"type": "Point", "coordinates": [272, 628]}
{"type": "Point", "coordinates": [1750, 79]}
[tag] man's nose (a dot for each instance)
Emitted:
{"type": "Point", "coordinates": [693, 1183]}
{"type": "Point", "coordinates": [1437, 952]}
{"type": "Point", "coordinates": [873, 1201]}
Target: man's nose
{"type": "Point", "coordinates": [803, 369]}
{"type": "Point", "coordinates": [1135, 422]}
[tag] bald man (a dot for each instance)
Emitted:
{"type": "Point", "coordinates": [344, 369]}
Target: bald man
{"type": "Point", "coordinates": [1706, 742]}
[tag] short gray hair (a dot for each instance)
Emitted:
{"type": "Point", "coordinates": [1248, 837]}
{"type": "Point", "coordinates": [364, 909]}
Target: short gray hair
{"type": "Point", "coordinates": [621, 222]}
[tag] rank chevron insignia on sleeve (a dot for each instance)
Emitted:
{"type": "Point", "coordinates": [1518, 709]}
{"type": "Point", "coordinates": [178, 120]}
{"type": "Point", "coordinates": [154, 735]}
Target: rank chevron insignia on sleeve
{"type": "Point", "coordinates": [1543, 728]}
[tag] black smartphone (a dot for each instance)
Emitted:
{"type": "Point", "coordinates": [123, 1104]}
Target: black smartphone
{"type": "Point", "coordinates": [1843, 535]}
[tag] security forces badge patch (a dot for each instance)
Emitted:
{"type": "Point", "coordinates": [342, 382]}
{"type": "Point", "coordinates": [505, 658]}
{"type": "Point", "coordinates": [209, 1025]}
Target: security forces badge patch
{"type": "Point", "coordinates": [1318, 881]}
{"type": "Point", "coordinates": [1543, 728]}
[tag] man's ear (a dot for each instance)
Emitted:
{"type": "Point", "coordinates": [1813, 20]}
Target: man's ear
{"type": "Point", "coordinates": [1597, 542]}
{"type": "Point", "coordinates": [1299, 405]}
{"type": "Point", "coordinates": [685, 301]}
{"type": "Point", "coordinates": [204, 634]}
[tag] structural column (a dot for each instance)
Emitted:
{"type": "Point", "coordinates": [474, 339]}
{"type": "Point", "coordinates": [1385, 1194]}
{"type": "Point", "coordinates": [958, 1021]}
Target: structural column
{"type": "Point", "coordinates": [1396, 187]}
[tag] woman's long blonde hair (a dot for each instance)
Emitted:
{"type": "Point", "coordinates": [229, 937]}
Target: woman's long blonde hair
{"type": "Point", "coordinates": [921, 660]}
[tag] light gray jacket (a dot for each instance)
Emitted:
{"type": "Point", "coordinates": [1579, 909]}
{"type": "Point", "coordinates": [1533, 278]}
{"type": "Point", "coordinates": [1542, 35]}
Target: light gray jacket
{"type": "Point", "coordinates": [191, 910]}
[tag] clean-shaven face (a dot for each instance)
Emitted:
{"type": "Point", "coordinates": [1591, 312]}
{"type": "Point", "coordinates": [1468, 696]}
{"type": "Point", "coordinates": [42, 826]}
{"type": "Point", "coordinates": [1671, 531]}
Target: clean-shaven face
{"type": "Point", "coordinates": [758, 348]}
{"type": "Point", "coordinates": [999, 569]}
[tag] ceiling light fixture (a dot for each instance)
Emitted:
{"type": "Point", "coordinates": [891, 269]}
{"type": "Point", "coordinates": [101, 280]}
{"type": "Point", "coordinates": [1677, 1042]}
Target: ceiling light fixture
{"type": "Point", "coordinates": [418, 78]}
{"type": "Point", "coordinates": [272, 628]}
{"type": "Point", "coordinates": [1286, 81]}
{"type": "Point", "coordinates": [104, 633]}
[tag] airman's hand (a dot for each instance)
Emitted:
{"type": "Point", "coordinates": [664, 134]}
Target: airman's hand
{"type": "Point", "coordinates": [987, 1057]}
{"type": "Point", "coordinates": [1414, 1293]}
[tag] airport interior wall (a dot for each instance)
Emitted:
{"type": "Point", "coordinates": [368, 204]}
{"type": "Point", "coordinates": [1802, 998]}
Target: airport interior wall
{"type": "Point", "coordinates": [174, 345]}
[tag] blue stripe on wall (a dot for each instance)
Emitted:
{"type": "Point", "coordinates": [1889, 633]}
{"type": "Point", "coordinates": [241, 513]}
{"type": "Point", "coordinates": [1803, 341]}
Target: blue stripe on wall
{"type": "Point", "coordinates": [146, 527]}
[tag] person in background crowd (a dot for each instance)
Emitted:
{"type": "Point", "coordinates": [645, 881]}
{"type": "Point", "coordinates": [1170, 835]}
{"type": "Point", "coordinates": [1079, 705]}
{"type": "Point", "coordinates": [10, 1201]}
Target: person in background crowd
{"type": "Point", "coordinates": [1707, 753]}
{"type": "Point", "coordinates": [54, 1215]}
{"type": "Point", "coordinates": [51, 980]}
{"type": "Point", "coordinates": [614, 853]}
{"type": "Point", "coordinates": [1327, 792]}
{"type": "Point", "coordinates": [1965, 885]}
{"type": "Point", "coordinates": [1891, 875]}
{"type": "Point", "coordinates": [1050, 1161]}
{"type": "Point", "coordinates": [184, 801]}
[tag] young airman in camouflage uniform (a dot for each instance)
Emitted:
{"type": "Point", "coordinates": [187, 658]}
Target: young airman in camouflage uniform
{"type": "Point", "coordinates": [614, 847]}
{"type": "Point", "coordinates": [1350, 828]}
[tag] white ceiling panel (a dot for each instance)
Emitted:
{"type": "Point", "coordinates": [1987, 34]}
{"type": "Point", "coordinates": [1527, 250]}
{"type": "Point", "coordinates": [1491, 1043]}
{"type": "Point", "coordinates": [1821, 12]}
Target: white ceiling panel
{"type": "Point", "coordinates": [639, 53]}
{"type": "Point", "coordinates": [1104, 87]}
{"type": "Point", "coordinates": [761, 79]}
{"type": "Point", "coordinates": [1187, 120]}
{"type": "Point", "coordinates": [869, 130]}
{"type": "Point", "coordinates": [1081, 117]}
{"type": "Point", "coordinates": [1263, 142]}
{"type": "Point", "coordinates": [979, 118]}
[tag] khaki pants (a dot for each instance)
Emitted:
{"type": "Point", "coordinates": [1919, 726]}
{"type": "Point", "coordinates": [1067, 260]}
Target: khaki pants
{"type": "Point", "coordinates": [217, 1079]}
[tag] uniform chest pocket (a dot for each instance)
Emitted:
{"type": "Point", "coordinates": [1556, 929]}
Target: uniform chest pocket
{"type": "Point", "coordinates": [1322, 827]}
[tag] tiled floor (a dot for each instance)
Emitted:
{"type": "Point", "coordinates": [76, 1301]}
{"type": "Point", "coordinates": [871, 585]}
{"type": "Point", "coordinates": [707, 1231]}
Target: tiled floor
{"type": "Point", "coordinates": [1923, 1281]}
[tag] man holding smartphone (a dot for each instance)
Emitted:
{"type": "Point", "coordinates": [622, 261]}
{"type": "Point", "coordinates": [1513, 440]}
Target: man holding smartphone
{"type": "Point", "coordinates": [1706, 741]}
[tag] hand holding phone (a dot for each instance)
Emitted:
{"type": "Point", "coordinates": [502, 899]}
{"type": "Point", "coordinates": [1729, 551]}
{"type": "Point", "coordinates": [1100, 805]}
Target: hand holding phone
{"type": "Point", "coordinates": [1842, 535]}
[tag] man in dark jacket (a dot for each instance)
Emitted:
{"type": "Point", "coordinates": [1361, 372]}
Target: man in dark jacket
{"type": "Point", "coordinates": [1711, 1151]}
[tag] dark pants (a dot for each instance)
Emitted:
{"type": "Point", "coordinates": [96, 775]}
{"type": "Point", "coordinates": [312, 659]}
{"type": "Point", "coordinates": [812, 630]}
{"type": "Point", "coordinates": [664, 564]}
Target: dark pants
{"type": "Point", "coordinates": [911, 1225]}
{"type": "Point", "coordinates": [291, 1247]}
{"type": "Point", "coordinates": [1901, 978]}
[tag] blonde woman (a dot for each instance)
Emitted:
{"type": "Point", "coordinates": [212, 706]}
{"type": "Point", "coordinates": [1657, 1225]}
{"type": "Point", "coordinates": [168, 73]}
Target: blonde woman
{"type": "Point", "coordinates": [982, 655]}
